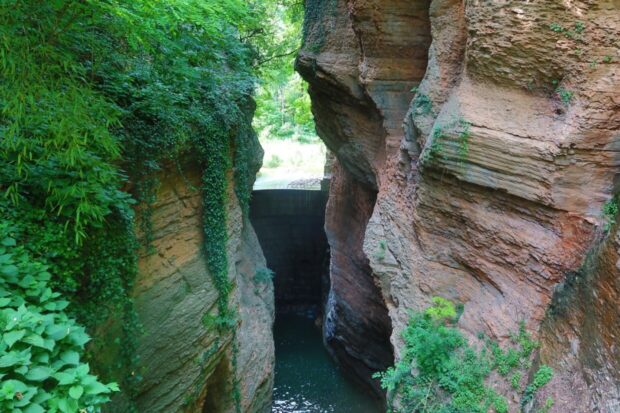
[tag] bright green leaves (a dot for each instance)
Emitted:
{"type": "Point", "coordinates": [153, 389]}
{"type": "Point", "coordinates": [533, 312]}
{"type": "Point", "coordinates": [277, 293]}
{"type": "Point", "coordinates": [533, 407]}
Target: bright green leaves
{"type": "Point", "coordinates": [13, 336]}
{"type": "Point", "coordinates": [283, 103]}
{"type": "Point", "coordinates": [441, 372]}
{"type": "Point", "coordinates": [40, 367]}
{"type": "Point", "coordinates": [442, 309]}
{"type": "Point", "coordinates": [57, 143]}
{"type": "Point", "coordinates": [76, 392]}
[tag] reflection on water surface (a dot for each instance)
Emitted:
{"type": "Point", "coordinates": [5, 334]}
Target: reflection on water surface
{"type": "Point", "coordinates": [306, 379]}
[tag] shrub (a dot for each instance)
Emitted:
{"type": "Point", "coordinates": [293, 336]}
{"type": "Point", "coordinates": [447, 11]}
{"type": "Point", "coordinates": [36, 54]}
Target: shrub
{"type": "Point", "coordinates": [566, 96]}
{"type": "Point", "coordinates": [40, 366]}
{"type": "Point", "coordinates": [441, 372]}
{"type": "Point", "coordinates": [610, 212]}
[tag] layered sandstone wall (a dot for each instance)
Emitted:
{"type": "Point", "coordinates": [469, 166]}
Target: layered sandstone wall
{"type": "Point", "coordinates": [184, 363]}
{"type": "Point", "coordinates": [488, 131]}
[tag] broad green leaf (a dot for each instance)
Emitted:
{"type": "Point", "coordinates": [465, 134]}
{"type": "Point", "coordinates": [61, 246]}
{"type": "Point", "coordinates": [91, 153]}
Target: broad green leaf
{"type": "Point", "coordinates": [70, 357]}
{"type": "Point", "coordinates": [10, 359]}
{"type": "Point", "coordinates": [34, 408]}
{"type": "Point", "coordinates": [58, 332]}
{"type": "Point", "coordinates": [9, 242]}
{"type": "Point", "coordinates": [64, 378]}
{"type": "Point", "coordinates": [67, 405]}
{"type": "Point", "coordinates": [13, 386]}
{"type": "Point", "coordinates": [39, 373]}
{"type": "Point", "coordinates": [96, 388]}
{"type": "Point", "coordinates": [9, 270]}
{"type": "Point", "coordinates": [13, 336]}
{"type": "Point", "coordinates": [35, 340]}
{"type": "Point", "coordinates": [79, 337]}
{"type": "Point", "coordinates": [76, 392]}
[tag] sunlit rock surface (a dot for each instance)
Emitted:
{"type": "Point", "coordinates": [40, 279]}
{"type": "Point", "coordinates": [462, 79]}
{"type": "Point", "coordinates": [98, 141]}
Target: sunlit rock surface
{"type": "Point", "coordinates": [186, 366]}
{"type": "Point", "coordinates": [489, 185]}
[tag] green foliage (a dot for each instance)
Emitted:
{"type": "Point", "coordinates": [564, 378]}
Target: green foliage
{"type": "Point", "coordinates": [436, 147]}
{"type": "Point", "coordinates": [441, 309]}
{"type": "Point", "coordinates": [382, 248]}
{"type": "Point", "coordinates": [463, 138]}
{"type": "Point", "coordinates": [579, 27]}
{"type": "Point", "coordinates": [542, 376]}
{"type": "Point", "coordinates": [422, 104]}
{"type": "Point", "coordinates": [460, 127]}
{"type": "Point", "coordinates": [89, 87]}
{"type": "Point", "coordinates": [440, 372]}
{"type": "Point", "coordinates": [610, 212]}
{"type": "Point", "coordinates": [41, 348]}
{"type": "Point", "coordinates": [274, 162]}
{"type": "Point", "coordinates": [283, 103]}
{"type": "Point", "coordinates": [263, 275]}
{"type": "Point", "coordinates": [547, 406]}
{"type": "Point", "coordinates": [557, 28]}
{"type": "Point", "coordinates": [57, 143]}
{"type": "Point", "coordinates": [607, 59]}
{"type": "Point", "coordinates": [566, 96]}
{"type": "Point", "coordinates": [574, 34]}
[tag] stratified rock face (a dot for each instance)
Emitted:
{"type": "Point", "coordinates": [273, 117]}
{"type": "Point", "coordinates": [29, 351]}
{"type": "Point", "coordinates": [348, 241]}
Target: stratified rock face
{"type": "Point", "coordinates": [491, 193]}
{"type": "Point", "coordinates": [582, 333]}
{"type": "Point", "coordinates": [187, 366]}
{"type": "Point", "coordinates": [356, 326]}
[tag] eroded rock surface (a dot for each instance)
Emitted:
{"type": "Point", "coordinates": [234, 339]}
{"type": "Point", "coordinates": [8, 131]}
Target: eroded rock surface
{"type": "Point", "coordinates": [489, 131]}
{"type": "Point", "coordinates": [185, 365]}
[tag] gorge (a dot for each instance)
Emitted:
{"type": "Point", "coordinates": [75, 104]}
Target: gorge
{"type": "Point", "coordinates": [468, 214]}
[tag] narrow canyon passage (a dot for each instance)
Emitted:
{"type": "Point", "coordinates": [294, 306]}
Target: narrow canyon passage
{"type": "Point", "coordinates": [290, 227]}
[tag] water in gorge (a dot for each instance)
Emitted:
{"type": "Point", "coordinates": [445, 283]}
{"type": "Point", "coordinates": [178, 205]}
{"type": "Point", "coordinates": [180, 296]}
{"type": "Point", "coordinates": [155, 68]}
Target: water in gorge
{"type": "Point", "coordinates": [306, 378]}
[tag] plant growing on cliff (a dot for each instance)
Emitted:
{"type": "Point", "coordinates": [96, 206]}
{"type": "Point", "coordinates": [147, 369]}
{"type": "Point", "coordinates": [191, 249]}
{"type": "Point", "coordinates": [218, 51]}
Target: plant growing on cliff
{"type": "Point", "coordinates": [610, 212]}
{"type": "Point", "coordinates": [441, 372]}
{"type": "Point", "coordinates": [422, 104]}
{"type": "Point", "coordinates": [381, 249]}
{"type": "Point", "coordinates": [434, 150]}
{"type": "Point", "coordinates": [263, 275]}
{"type": "Point", "coordinates": [463, 138]}
{"type": "Point", "coordinates": [574, 34]}
{"type": "Point", "coordinates": [566, 96]}
{"type": "Point", "coordinates": [89, 88]}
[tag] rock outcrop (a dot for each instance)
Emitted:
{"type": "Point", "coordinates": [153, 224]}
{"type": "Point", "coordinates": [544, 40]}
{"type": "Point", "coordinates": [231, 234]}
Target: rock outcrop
{"type": "Point", "coordinates": [185, 364]}
{"type": "Point", "coordinates": [489, 133]}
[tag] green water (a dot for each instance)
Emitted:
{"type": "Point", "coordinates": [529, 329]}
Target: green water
{"type": "Point", "coordinates": [306, 379]}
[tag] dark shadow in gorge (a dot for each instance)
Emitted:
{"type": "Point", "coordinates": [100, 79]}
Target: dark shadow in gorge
{"type": "Point", "coordinates": [289, 225]}
{"type": "Point", "coordinates": [216, 400]}
{"type": "Point", "coordinates": [290, 228]}
{"type": "Point", "coordinates": [363, 61]}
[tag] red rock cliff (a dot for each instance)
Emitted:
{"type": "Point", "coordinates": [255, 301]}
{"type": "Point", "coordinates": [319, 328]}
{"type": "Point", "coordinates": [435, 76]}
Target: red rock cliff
{"type": "Point", "coordinates": [477, 143]}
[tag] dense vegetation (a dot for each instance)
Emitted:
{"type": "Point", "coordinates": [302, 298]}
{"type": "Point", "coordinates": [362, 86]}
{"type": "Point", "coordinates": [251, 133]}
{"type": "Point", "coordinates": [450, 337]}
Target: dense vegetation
{"type": "Point", "coordinates": [283, 104]}
{"type": "Point", "coordinates": [95, 98]}
{"type": "Point", "coordinates": [440, 372]}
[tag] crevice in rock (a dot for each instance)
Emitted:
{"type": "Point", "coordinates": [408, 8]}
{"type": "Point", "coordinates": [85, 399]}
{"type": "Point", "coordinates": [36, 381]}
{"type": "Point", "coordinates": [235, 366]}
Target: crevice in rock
{"type": "Point", "coordinates": [357, 327]}
{"type": "Point", "coordinates": [217, 398]}
{"type": "Point", "coordinates": [362, 76]}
